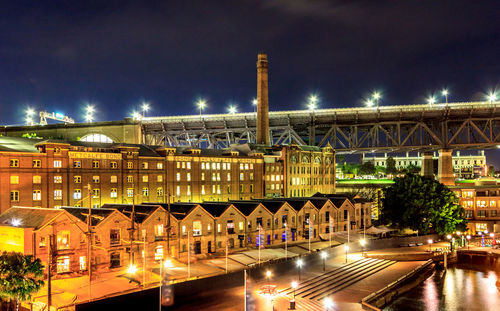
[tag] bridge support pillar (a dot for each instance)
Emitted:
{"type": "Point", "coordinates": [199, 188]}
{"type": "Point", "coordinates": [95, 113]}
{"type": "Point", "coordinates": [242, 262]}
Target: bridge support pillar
{"type": "Point", "coordinates": [445, 167]}
{"type": "Point", "coordinates": [427, 165]}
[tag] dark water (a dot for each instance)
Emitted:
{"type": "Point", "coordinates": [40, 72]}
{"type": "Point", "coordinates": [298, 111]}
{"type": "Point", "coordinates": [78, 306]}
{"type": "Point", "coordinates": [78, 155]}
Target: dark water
{"type": "Point", "coordinates": [461, 288]}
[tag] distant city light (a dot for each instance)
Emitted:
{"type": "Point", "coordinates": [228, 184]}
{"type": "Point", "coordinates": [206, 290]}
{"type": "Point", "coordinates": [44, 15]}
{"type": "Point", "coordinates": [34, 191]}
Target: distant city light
{"type": "Point", "coordinates": [312, 102]}
{"type": "Point", "coordinates": [232, 109]}
{"type": "Point", "coordinates": [89, 113]}
{"type": "Point", "coordinates": [136, 115]}
{"type": "Point", "coordinates": [369, 103]}
{"type": "Point", "coordinates": [431, 100]}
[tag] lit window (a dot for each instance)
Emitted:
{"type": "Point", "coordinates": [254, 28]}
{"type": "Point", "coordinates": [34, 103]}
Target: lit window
{"type": "Point", "coordinates": [114, 179]}
{"type": "Point", "coordinates": [62, 264]}
{"type": "Point", "coordinates": [178, 176]}
{"type": "Point", "coordinates": [159, 166]}
{"type": "Point", "coordinates": [202, 176]}
{"type": "Point", "coordinates": [145, 165]}
{"type": "Point", "coordinates": [183, 164]}
{"type": "Point", "coordinates": [145, 178]}
{"type": "Point", "coordinates": [57, 163]}
{"type": "Point", "coordinates": [130, 192]}
{"type": "Point", "coordinates": [14, 180]}
{"type": "Point", "coordinates": [58, 194]}
{"type": "Point", "coordinates": [196, 228]}
{"type": "Point", "coordinates": [96, 179]}
{"type": "Point", "coordinates": [228, 176]}
{"type": "Point", "coordinates": [188, 165]}
{"type": "Point", "coordinates": [113, 165]}
{"type": "Point", "coordinates": [37, 195]}
{"type": "Point", "coordinates": [202, 165]}
{"type": "Point", "coordinates": [77, 179]}
{"type": "Point", "coordinates": [57, 179]}
{"type": "Point", "coordinates": [77, 194]}
{"type": "Point", "coordinates": [145, 191]}
{"type": "Point", "coordinates": [242, 176]}
{"type": "Point", "coordinates": [96, 193]}
{"type": "Point", "coordinates": [63, 239]}
{"type": "Point", "coordinates": [218, 228]}
{"type": "Point", "coordinates": [188, 176]}
{"type": "Point", "coordinates": [178, 191]}
{"type": "Point", "coordinates": [77, 164]}
{"type": "Point", "coordinates": [37, 179]}
{"type": "Point", "coordinates": [14, 163]}
{"type": "Point", "coordinates": [96, 138]}
{"type": "Point", "coordinates": [37, 163]}
{"type": "Point", "coordinates": [114, 193]}
{"type": "Point", "coordinates": [159, 252]}
{"type": "Point", "coordinates": [83, 263]}
{"type": "Point", "coordinates": [130, 179]}
{"type": "Point", "coordinates": [188, 192]}
{"type": "Point", "coordinates": [203, 189]}
{"type": "Point", "coordinates": [159, 178]}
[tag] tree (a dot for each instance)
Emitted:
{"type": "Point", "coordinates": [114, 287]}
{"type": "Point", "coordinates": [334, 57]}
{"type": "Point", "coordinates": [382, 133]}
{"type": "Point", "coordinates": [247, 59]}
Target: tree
{"type": "Point", "coordinates": [412, 169]}
{"type": "Point", "coordinates": [391, 166]}
{"type": "Point", "coordinates": [422, 204]}
{"type": "Point", "coordinates": [20, 276]}
{"type": "Point", "coordinates": [491, 171]}
{"type": "Point", "coordinates": [367, 168]}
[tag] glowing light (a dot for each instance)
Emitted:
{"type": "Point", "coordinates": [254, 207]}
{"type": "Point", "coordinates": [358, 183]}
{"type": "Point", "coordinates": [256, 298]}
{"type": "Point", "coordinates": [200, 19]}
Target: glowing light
{"type": "Point", "coordinates": [362, 242]}
{"type": "Point", "coordinates": [145, 107]}
{"type": "Point", "coordinates": [132, 269]}
{"type": "Point", "coordinates": [448, 236]}
{"type": "Point", "coordinates": [232, 109]}
{"type": "Point", "coordinates": [492, 235]}
{"type": "Point", "coordinates": [492, 97]}
{"type": "Point", "coordinates": [324, 255]}
{"type": "Point", "coordinates": [201, 103]}
{"type": "Point", "coordinates": [430, 241]}
{"type": "Point", "coordinates": [486, 231]}
{"type": "Point", "coordinates": [312, 102]}
{"type": "Point", "coordinates": [444, 92]}
{"type": "Point", "coordinates": [311, 106]}
{"type": "Point", "coordinates": [328, 303]}
{"type": "Point", "coordinates": [89, 118]}
{"type": "Point", "coordinates": [268, 273]}
{"type": "Point", "coordinates": [431, 100]}
{"type": "Point", "coordinates": [346, 248]}
{"type": "Point", "coordinates": [468, 237]}
{"type": "Point", "coordinates": [136, 115]}
{"type": "Point", "coordinates": [300, 262]}
{"type": "Point", "coordinates": [295, 284]}
{"type": "Point", "coordinates": [90, 109]}
{"type": "Point", "coordinates": [30, 112]}
{"type": "Point", "coordinates": [254, 102]}
{"type": "Point", "coordinates": [168, 263]}
{"type": "Point", "coordinates": [376, 95]}
{"type": "Point", "coordinates": [15, 222]}
{"type": "Point", "coordinates": [369, 103]}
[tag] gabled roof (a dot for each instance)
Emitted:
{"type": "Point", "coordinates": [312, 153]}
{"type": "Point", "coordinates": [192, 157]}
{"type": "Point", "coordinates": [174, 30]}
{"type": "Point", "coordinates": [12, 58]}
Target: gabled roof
{"type": "Point", "coordinates": [178, 210]}
{"type": "Point", "coordinates": [246, 207]}
{"type": "Point", "coordinates": [98, 214]}
{"type": "Point", "coordinates": [318, 202]}
{"type": "Point", "coordinates": [142, 211]}
{"type": "Point", "coordinates": [28, 217]}
{"type": "Point", "coordinates": [216, 209]}
{"type": "Point", "coordinates": [273, 205]}
{"type": "Point", "coordinates": [18, 144]}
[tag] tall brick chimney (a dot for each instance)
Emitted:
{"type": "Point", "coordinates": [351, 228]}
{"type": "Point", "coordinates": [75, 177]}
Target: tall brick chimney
{"type": "Point", "coordinates": [262, 101]}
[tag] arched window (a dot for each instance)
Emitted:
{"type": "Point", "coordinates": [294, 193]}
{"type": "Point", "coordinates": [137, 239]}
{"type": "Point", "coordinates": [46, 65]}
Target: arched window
{"type": "Point", "coordinates": [96, 138]}
{"type": "Point", "coordinates": [317, 160]}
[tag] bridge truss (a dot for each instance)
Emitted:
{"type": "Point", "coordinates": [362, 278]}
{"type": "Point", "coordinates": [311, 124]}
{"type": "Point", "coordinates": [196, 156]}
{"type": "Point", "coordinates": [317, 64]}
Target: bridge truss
{"type": "Point", "coordinates": [474, 125]}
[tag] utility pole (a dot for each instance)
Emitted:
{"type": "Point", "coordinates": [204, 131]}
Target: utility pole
{"type": "Point", "coordinates": [49, 275]}
{"type": "Point", "coordinates": [89, 239]}
{"type": "Point", "coordinates": [144, 263]}
{"type": "Point", "coordinates": [168, 224]}
{"type": "Point", "coordinates": [132, 229]}
{"type": "Point", "coordinates": [189, 255]}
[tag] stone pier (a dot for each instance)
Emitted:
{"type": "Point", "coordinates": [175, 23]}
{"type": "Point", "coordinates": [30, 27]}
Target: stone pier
{"type": "Point", "coordinates": [427, 165]}
{"type": "Point", "coordinates": [445, 167]}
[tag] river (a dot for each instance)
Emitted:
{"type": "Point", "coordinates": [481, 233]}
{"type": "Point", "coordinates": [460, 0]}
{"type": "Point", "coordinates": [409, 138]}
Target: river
{"type": "Point", "coordinates": [462, 288]}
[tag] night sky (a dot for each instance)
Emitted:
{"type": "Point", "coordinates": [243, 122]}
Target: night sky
{"type": "Point", "coordinates": [58, 55]}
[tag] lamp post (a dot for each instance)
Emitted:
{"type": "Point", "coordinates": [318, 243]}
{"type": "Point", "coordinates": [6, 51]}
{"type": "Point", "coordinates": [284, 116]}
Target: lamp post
{"type": "Point", "coordinates": [201, 103]}
{"type": "Point", "coordinates": [232, 109]}
{"type": "Point", "coordinates": [363, 243]}
{"type": "Point", "coordinates": [445, 93]}
{"type": "Point", "coordinates": [492, 97]}
{"type": "Point", "coordinates": [300, 262]}
{"type": "Point", "coordinates": [376, 97]}
{"type": "Point", "coordinates": [145, 108]}
{"type": "Point", "coordinates": [324, 255]}
{"type": "Point", "coordinates": [468, 242]}
{"type": "Point", "coordinates": [292, 303]}
{"type": "Point", "coordinates": [167, 264]}
{"type": "Point", "coordinates": [254, 104]}
{"type": "Point", "coordinates": [431, 100]}
{"type": "Point", "coordinates": [449, 239]}
{"type": "Point", "coordinates": [346, 248]}
{"type": "Point", "coordinates": [430, 244]}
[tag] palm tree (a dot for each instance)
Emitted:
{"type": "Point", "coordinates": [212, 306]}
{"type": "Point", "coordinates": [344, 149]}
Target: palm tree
{"type": "Point", "coordinates": [20, 276]}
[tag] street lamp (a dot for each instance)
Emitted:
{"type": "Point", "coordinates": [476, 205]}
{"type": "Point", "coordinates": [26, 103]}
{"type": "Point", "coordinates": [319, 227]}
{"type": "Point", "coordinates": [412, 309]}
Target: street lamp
{"type": "Point", "coordinates": [430, 244]}
{"type": "Point", "coordinates": [132, 269]}
{"type": "Point", "coordinates": [324, 255]}
{"type": "Point", "coordinates": [292, 303]}
{"type": "Point", "coordinates": [328, 303]}
{"type": "Point", "coordinates": [201, 103]}
{"type": "Point", "coordinates": [145, 108]}
{"type": "Point", "coordinates": [254, 104]}
{"type": "Point", "coordinates": [369, 103]}
{"type": "Point", "coordinates": [346, 248]}
{"type": "Point", "coordinates": [445, 93]}
{"type": "Point", "coordinates": [136, 115]}
{"type": "Point", "coordinates": [468, 242]}
{"type": "Point", "coordinates": [363, 243]}
{"type": "Point", "coordinates": [492, 97]}
{"type": "Point", "coordinates": [431, 100]}
{"type": "Point", "coordinates": [30, 112]}
{"type": "Point", "coordinates": [376, 95]}
{"type": "Point", "coordinates": [300, 262]}
{"type": "Point", "coordinates": [312, 101]}
{"type": "Point", "coordinates": [268, 275]}
{"type": "Point", "coordinates": [89, 113]}
{"type": "Point", "coordinates": [232, 109]}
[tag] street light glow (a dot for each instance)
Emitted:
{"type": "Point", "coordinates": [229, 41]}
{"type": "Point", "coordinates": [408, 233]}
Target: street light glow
{"type": "Point", "coordinates": [324, 255]}
{"type": "Point", "coordinates": [254, 102]}
{"type": "Point", "coordinates": [268, 273]}
{"type": "Point", "coordinates": [300, 262]}
{"type": "Point", "coordinates": [431, 100]}
{"type": "Point", "coordinates": [15, 222]}
{"type": "Point", "coordinates": [132, 269]}
{"type": "Point", "coordinates": [468, 237]}
{"type": "Point", "coordinates": [232, 109]}
{"type": "Point", "coordinates": [492, 97]}
{"type": "Point", "coordinates": [346, 248]}
{"type": "Point", "coordinates": [145, 107]}
{"type": "Point", "coordinates": [429, 241]}
{"type": "Point", "coordinates": [328, 303]}
{"type": "Point", "coordinates": [313, 99]}
{"type": "Point", "coordinates": [201, 103]}
{"type": "Point", "coordinates": [448, 236]}
{"type": "Point", "coordinates": [362, 242]}
{"type": "Point", "coordinates": [30, 112]}
{"type": "Point", "coordinates": [89, 118]}
{"type": "Point", "coordinates": [376, 95]}
{"type": "Point", "coordinates": [294, 284]}
{"type": "Point", "coordinates": [444, 92]}
{"type": "Point", "coordinates": [168, 263]}
{"type": "Point", "coordinates": [90, 109]}
{"type": "Point", "coordinates": [136, 115]}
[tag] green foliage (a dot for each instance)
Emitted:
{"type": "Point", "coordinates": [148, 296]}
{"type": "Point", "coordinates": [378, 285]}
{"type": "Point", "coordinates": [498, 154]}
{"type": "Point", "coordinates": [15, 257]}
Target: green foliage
{"type": "Point", "coordinates": [340, 158]}
{"type": "Point", "coordinates": [491, 171]}
{"type": "Point", "coordinates": [423, 204]}
{"type": "Point", "coordinates": [367, 168]}
{"type": "Point", "coordinates": [391, 166]}
{"type": "Point", "coordinates": [30, 135]}
{"type": "Point", "coordinates": [350, 168]}
{"type": "Point", "coordinates": [20, 276]}
{"type": "Point", "coordinates": [411, 169]}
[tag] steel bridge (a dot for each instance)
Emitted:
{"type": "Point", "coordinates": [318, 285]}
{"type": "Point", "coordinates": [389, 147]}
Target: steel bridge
{"type": "Point", "coordinates": [471, 125]}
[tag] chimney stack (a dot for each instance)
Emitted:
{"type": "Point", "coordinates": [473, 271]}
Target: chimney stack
{"type": "Point", "coordinates": [262, 101]}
